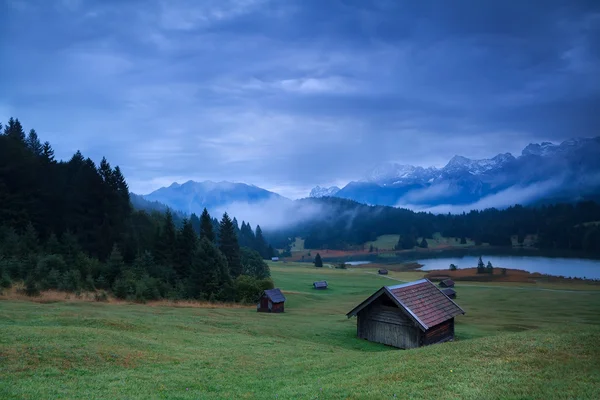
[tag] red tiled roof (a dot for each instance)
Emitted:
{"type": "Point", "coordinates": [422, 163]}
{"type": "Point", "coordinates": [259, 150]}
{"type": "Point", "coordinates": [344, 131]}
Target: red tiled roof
{"type": "Point", "coordinates": [425, 302]}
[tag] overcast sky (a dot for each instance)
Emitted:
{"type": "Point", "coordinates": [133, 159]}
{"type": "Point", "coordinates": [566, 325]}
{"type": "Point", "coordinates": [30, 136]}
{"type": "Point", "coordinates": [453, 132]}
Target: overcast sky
{"type": "Point", "coordinates": [290, 94]}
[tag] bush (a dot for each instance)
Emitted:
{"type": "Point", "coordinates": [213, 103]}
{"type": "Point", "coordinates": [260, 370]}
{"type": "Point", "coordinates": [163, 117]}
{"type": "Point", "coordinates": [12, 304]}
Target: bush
{"type": "Point", "coordinates": [247, 289]}
{"type": "Point", "coordinates": [31, 287]}
{"type": "Point", "coordinates": [70, 281]}
{"type": "Point", "coordinates": [101, 296]}
{"type": "Point", "coordinates": [123, 288]}
{"type": "Point", "coordinates": [341, 266]}
{"type": "Point", "coordinates": [5, 281]}
{"type": "Point", "coordinates": [52, 280]}
{"type": "Point", "coordinates": [453, 267]}
{"type": "Point", "coordinates": [51, 262]}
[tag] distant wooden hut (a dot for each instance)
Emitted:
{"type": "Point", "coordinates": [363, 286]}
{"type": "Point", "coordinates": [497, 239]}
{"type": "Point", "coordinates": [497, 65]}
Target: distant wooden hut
{"type": "Point", "coordinates": [320, 285]}
{"type": "Point", "coordinates": [274, 259]}
{"type": "Point", "coordinates": [382, 271]}
{"type": "Point", "coordinates": [406, 316]}
{"type": "Point", "coordinates": [447, 283]}
{"type": "Point", "coordinates": [271, 300]}
{"type": "Point", "coordinates": [449, 292]}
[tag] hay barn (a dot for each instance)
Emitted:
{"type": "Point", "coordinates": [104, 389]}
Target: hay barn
{"type": "Point", "coordinates": [271, 300]}
{"type": "Point", "coordinates": [449, 292]}
{"type": "Point", "coordinates": [383, 272]}
{"type": "Point", "coordinates": [406, 316]}
{"type": "Point", "coordinates": [447, 283]}
{"type": "Point", "coordinates": [320, 285]}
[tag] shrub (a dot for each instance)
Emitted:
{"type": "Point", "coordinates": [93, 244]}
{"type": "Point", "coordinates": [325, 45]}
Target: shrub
{"type": "Point", "coordinates": [453, 267]}
{"type": "Point", "coordinates": [247, 289]}
{"type": "Point", "coordinates": [70, 281]}
{"type": "Point", "coordinates": [123, 288]}
{"type": "Point", "coordinates": [31, 287]}
{"type": "Point", "coordinates": [5, 281]}
{"type": "Point", "coordinates": [101, 296]}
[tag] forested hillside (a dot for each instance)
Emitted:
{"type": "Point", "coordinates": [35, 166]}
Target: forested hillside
{"type": "Point", "coordinates": [344, 224]}
{"type": "Point", "coordinates": [71, 226]}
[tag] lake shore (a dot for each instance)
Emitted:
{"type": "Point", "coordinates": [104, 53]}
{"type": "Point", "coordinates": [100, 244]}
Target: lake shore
{"type": "Point", "coordinates": [500, 275]}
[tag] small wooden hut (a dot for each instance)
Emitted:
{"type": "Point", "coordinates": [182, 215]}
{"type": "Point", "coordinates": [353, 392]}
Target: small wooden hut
{"type": "Point", "coordinates": [447, 283]}
{"type": "Point", "coordinates": [406, 316]}
{"type": "Point", "coordinates": [382, 271]}
{"type": "Point", "coordinates": [449, 292]}
{"type": "Point", "coordinates": [271, 300]}
{"type": "Point", "coordinates": [320, 285]}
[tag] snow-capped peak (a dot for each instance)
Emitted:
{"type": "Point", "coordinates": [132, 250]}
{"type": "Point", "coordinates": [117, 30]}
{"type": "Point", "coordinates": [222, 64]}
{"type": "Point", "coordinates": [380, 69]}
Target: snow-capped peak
{"type": "Point", "coordinates": [319, 191]}
{"type": "Point", "coordinates": [475, 167]}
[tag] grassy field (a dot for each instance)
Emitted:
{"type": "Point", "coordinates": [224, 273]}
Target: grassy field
{"type": "Point", "coordinates": [388, 242]}
{"type": "Point", "coordinates": [512, 343]}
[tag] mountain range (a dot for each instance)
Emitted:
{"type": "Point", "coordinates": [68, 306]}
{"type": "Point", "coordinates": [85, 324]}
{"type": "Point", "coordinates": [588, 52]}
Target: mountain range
{"type": "Point", "coordinates": [193, 197]}
{"type": "Point", "coordinates": [567, 171]}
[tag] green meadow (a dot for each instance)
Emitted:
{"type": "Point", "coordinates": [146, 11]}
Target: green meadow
{"type": "Point", "coordinates": [513, 343]}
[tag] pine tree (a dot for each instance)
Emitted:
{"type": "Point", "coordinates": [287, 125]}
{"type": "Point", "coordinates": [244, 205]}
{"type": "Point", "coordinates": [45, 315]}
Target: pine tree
{"type": "Point", "coordinates": [195, 221]}
{"type": "Point", "coordinates": [14, 130]}
{"type": "Point", "coordinates": [318, 261]}
{"type": "Point", "coordinates": [47, 152]}
{"type": "Point", "coordinates": [115, 264]}
{"type": "Point", "coordinates": [423, 244]}
{"type": "Point", "coordinates": [209, 275]}
{"type": "Point", "coordinates": [490, 268]}
{"type": "Point", "coordinates": [228, 244]}
{"type": "Point", "coordinates": [480, 266]}
{"type": "Point", "coordinates": [166, 245]}
{"type": "Point", "coordinates": [33, 143]}
{"type": "Point", "coordinates": [261, 244]}
{"type": "Point", "coordinates": [186, 245]}
{"type": "Point", "coordinates": [206, 227]}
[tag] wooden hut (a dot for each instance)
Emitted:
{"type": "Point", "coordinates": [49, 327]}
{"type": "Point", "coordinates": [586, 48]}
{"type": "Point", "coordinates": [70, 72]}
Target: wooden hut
{"type": "Point", "coordinates": [320, 285]}
{"type": "Point", "coordinates": [447, 283]}
{"type": "Point", "coordinates": [271, 300]}
{"type": "Point", "coordinates": [449, 292]}
{"type": "Point", "coordinates": [382, 271]}
{"type": "Point", "coordinates": [406, 316]}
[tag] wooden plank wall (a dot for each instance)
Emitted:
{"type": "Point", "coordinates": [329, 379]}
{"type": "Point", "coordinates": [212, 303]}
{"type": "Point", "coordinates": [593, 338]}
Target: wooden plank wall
{"type": "Point", "coordinates": [388, 325]}
{"type": "Point", "coordinates": [439, 333]}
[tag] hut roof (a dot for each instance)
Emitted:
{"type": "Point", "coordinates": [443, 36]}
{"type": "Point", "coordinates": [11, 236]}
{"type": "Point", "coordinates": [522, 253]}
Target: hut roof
{"type": "Point", "coordinates": [448, 291]}
{"type": "Point", "coordinates": [320, 284]}
{"type": "Point", "coordinates": [422, 300]}
{"type": "Point", "coordinates": [275, 295]}
{"type": "Point", "coordinates": [447, 283]}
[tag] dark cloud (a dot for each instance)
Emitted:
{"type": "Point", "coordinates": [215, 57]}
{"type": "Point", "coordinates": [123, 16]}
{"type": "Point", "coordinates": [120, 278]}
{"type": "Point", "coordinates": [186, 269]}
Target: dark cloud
{"type": "Point", "coordinates": [287, 95]}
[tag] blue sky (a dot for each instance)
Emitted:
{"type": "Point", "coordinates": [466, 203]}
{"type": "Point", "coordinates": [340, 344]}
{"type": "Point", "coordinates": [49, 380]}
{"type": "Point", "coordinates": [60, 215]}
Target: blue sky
{"type": "Point", "coordinates": [290, 94]}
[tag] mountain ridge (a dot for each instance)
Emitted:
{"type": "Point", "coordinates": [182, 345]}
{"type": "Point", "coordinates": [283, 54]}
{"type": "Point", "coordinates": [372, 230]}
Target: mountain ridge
{"type": "Point", "coordinates": [463, 180]}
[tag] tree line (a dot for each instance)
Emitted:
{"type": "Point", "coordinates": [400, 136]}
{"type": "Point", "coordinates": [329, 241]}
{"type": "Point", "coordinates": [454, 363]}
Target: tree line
{"type": "Point", "coordinates": [345, 225]}
{"type": "Point", "coordinates": [70, 225]}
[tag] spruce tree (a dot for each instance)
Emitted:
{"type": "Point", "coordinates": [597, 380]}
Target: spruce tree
{"type": "Point", "coordinates": [206, 227]}
{"type": "Point", "coordinates": [261, 244]}
{"type": "Point", "coordinates": [195, 221]}
{"type": "Point", "coordinates": [47, 152]}
{"type": "Point", "coordinates": [423, 244]}
{"type": "Point", "coordinates": [480, 266]}
{"type": "Point", "coordinates": [186, 245]}
{"type": "Point", "coordinates": [228, 244]}
{"type": "Point", "coordinates": [490, 268]}
{"type": "Point", "coordinates": [209, 276]}
{"type": "Point", "coordinates": [33, 143]}
{"type": "Point", "coordinates": [115, 264]}
{"type": "Point", "coordinates": [318, 261]}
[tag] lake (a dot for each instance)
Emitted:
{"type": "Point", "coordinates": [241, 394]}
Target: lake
{"type": "Point", "coordinates": [567, 267]}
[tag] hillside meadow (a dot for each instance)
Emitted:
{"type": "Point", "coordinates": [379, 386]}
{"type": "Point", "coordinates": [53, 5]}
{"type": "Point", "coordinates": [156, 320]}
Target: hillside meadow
{"type": "Point", "coordinates": [514, 342]}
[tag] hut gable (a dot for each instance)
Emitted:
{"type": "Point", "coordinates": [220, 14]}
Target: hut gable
{"type": "Point", "coordinates": [449, 292]}
{"type": "Point", "coordinates": [320, 285]}
{"type": "Point", "coordinates": [271, 300]}
{"type": "Point", "coordinates": [406, 316]}
{"type": "Point", "coordinates": [275, 295]}
{"type": "Point", "coordinates": [447, 283]}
